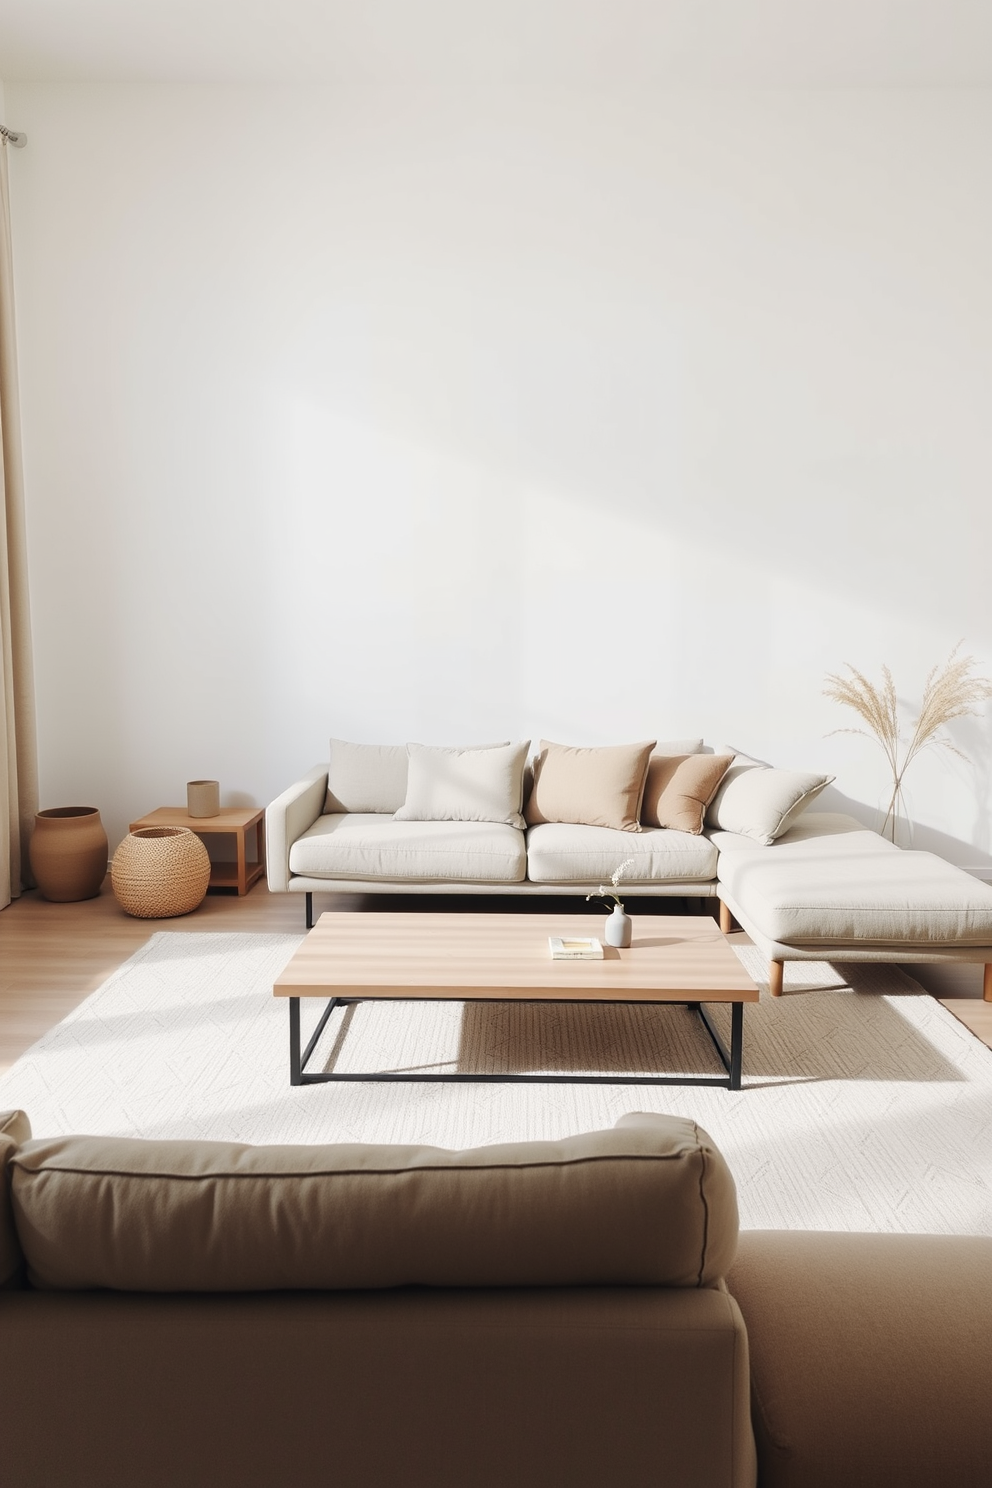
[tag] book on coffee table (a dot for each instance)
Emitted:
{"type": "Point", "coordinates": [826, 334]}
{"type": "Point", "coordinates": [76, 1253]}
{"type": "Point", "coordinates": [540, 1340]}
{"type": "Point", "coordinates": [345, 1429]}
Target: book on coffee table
{"type": "Point", "coordinates": [575, 948]}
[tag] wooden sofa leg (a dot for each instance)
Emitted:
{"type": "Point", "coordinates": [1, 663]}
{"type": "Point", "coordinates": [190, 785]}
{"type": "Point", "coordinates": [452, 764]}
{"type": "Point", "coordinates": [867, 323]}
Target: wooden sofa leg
{"type": "Point", "coordinates": [776, 972]}
{"type": "Point", "coordinates": [987, 983]}
{"type": "Point", "coordinates": [726, 919]}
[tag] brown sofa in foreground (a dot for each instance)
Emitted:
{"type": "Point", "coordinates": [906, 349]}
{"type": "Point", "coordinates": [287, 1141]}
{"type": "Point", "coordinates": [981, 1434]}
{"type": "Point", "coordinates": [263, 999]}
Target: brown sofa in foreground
{"type": "Point", "coordinates": [546, 1313]}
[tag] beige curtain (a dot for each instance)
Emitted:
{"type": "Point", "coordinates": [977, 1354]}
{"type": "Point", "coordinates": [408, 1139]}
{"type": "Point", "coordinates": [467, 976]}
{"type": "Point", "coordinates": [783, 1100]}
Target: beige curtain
{"type": "Point", "coordinates": [18, 748]}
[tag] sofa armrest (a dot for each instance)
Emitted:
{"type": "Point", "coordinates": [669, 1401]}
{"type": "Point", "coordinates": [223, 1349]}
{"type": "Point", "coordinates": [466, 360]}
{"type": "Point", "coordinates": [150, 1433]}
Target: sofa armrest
{"type": "Point", "coordinates": [287, 818]}
{"type": "Point", "coordinates": [871, 1357]}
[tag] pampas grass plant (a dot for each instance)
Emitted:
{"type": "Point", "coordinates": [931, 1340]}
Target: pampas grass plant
{"type": "Point", "coordinates": [949, 692]}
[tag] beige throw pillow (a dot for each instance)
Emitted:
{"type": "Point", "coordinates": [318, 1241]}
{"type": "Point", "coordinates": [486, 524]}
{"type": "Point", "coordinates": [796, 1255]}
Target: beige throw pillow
{"type": "Point", "coordinates": [762, 803]}
{"type": "Point", "coordinates": [678, 789]}
{"type": "Point", "coordinates": [366, 777]}
{"type": "Point", "coordinates": [465, 784]}
{"type": "Point", "coordinates": [591, 787]}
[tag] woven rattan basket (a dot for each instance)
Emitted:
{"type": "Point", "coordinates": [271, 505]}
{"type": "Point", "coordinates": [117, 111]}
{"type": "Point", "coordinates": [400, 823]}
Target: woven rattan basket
{"type": "Point", "coordinates": [159, 872]}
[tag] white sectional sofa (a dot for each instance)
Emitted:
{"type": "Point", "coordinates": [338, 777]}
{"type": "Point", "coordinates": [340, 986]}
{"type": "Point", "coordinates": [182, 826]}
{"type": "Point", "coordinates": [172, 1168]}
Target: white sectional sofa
{"type": "Point", "coordinates": [805, 885]}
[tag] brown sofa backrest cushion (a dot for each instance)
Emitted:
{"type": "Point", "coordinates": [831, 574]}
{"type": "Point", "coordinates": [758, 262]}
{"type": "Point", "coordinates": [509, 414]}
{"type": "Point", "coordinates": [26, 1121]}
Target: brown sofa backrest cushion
{"type": "Point", "coordinates": [14, 1129]}
{"type": "Point", "coordinates": [650, 1202]}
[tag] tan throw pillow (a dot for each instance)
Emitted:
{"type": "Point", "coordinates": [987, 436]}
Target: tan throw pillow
{"type": "Point", "coordinates": [591, 787]}
{"type": "Point", "coordinates": [679, 788]}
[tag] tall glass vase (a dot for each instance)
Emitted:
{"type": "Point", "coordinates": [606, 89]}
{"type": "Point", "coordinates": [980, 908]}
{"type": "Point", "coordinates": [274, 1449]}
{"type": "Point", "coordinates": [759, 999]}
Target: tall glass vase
{"type": "Point", "coordinates": [896, 821]}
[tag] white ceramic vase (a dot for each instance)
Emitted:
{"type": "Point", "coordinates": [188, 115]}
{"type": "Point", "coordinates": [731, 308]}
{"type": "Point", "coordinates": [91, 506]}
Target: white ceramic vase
{"type": "Point", "coordinates": [618, 928]}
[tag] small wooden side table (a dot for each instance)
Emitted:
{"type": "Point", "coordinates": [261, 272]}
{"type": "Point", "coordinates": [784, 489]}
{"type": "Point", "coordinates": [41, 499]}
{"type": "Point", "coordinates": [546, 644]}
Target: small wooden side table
{"type": "Point", "coordinates": [232, 821]}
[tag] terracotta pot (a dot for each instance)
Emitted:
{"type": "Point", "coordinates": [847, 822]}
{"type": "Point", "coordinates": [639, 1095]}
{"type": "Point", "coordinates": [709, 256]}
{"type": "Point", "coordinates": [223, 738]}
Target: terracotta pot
{"type": "Point", "coordinates": [68, 853]}
{"type": "Point", "coordinates": [159, 872]}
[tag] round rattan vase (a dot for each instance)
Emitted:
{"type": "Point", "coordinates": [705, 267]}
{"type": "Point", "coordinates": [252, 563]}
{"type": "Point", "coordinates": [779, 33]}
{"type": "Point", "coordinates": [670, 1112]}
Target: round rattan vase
{"type": "Point", "coordinates": [159, 872]}
{"type": "Point", "coordinates": [68, 853]}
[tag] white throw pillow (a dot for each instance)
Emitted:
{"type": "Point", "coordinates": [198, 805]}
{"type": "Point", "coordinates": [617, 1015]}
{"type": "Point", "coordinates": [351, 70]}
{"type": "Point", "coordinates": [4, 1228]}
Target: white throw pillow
{"type": "Point", "coordinates": [762, 803]}
{"type": "Point", "coordinates": [465, 784]}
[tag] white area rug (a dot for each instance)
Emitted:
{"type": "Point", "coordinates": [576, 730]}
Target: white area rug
{"type": "Point", "coordinates": [863, 1109]}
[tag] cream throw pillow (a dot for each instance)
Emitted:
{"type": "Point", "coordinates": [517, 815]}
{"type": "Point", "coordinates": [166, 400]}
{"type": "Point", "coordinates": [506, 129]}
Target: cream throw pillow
{"type": "Point", "coordinates": [366, 777]}
{"type": "Point", "coordinates": [590, 787]}
{"type": "Point", "coordinates": [679, 788]}
{"type": "Point", "coordinates": [465, 784]}
{"type": "Point", "coordinates": [762, 803]}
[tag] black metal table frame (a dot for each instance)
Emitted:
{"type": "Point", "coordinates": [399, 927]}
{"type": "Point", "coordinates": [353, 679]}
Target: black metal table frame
{"type": "Point", "coordinates": [732, 1061]}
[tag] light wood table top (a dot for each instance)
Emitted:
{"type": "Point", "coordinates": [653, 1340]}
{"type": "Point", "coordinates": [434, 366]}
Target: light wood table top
{"type": "Point", "coordinates": [505, 957]}
{"type": "Point", "coordinates": [234, 821]}
{"type": "Point", "coordinates": [228, 819]}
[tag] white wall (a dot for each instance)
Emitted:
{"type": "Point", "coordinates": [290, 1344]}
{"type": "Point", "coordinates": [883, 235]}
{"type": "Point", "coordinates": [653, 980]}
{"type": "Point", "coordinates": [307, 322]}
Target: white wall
{"type": "Point", "coordinates": [460, 415]}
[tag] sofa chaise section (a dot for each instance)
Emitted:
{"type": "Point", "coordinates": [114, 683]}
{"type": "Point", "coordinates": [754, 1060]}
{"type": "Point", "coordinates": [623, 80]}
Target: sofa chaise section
{"type": "Point", "coordinates": [829, 890]}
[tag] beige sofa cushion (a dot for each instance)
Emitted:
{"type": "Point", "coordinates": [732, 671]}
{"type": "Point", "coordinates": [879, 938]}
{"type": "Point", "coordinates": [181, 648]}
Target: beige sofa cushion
{"type": "Point", "coordinates": [678, 789]}
{"type": "Point", "coordinates": [14, 1129]}
{"type": "Point", "coordinates": [371, 846]}
{"type": "Point", "coordinates": [593, 787]}
{"type": "Point", "coordinates": [677, 746]}
{"type": "Point", "coordinates": [649, 1203]}
{"type": "Point", "coordinates": [366, 777]}
{"type": "Point", "coordinates": [807, 895]}
{"type": "Point", "coordinates": [465, 784]}
{"type": "Point", "coordinates": [562, 853]}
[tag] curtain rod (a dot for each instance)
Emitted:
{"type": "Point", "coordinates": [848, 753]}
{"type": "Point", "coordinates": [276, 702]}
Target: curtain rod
{"type": "Point", "coordinates": [13, 137]}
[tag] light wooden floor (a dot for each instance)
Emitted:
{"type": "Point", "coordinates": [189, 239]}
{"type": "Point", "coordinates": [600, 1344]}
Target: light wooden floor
{"type": "Point", "coordinates": [54, 955]}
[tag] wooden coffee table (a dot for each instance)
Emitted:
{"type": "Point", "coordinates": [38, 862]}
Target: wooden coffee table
{"type": "Point", "coordinates": [503, 958]}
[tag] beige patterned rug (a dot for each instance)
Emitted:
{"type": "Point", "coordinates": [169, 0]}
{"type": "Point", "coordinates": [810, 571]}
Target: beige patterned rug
{"type": "Point", "coordinates": [866, 1105]}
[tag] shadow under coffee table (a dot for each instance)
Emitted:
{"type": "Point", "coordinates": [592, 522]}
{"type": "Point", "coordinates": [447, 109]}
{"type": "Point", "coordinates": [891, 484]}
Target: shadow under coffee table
{"type": "Point", "coordinates": [505, 958]}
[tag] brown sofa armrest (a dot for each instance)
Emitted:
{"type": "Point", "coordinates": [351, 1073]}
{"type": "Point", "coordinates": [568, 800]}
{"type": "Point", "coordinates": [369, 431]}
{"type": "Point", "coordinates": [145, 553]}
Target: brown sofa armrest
{"type": "Point", "coordinates": [871, 1358]}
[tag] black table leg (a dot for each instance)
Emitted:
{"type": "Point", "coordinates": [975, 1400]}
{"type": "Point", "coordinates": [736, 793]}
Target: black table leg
{"type": "Point", "coordinates": [295, 1066]}
{"type": "Point", "coordinates": [736, 1044]}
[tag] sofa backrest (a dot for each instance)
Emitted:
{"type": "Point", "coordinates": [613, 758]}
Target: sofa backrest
{"type": "Point", "coordinates": [649, 1203]}
{"type": "Point", "coordinates": [373, 777]}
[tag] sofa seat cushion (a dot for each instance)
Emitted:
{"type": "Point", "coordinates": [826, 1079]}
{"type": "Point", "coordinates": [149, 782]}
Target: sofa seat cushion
{"type": "Point", "coordinates": [562, 852]}
{"type": "Point", "coordinates": [650, 1202]}
{"type": "Point", "coordinates": [810, 896]}
{"type": "Point", "coordinates": [364, 845]}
